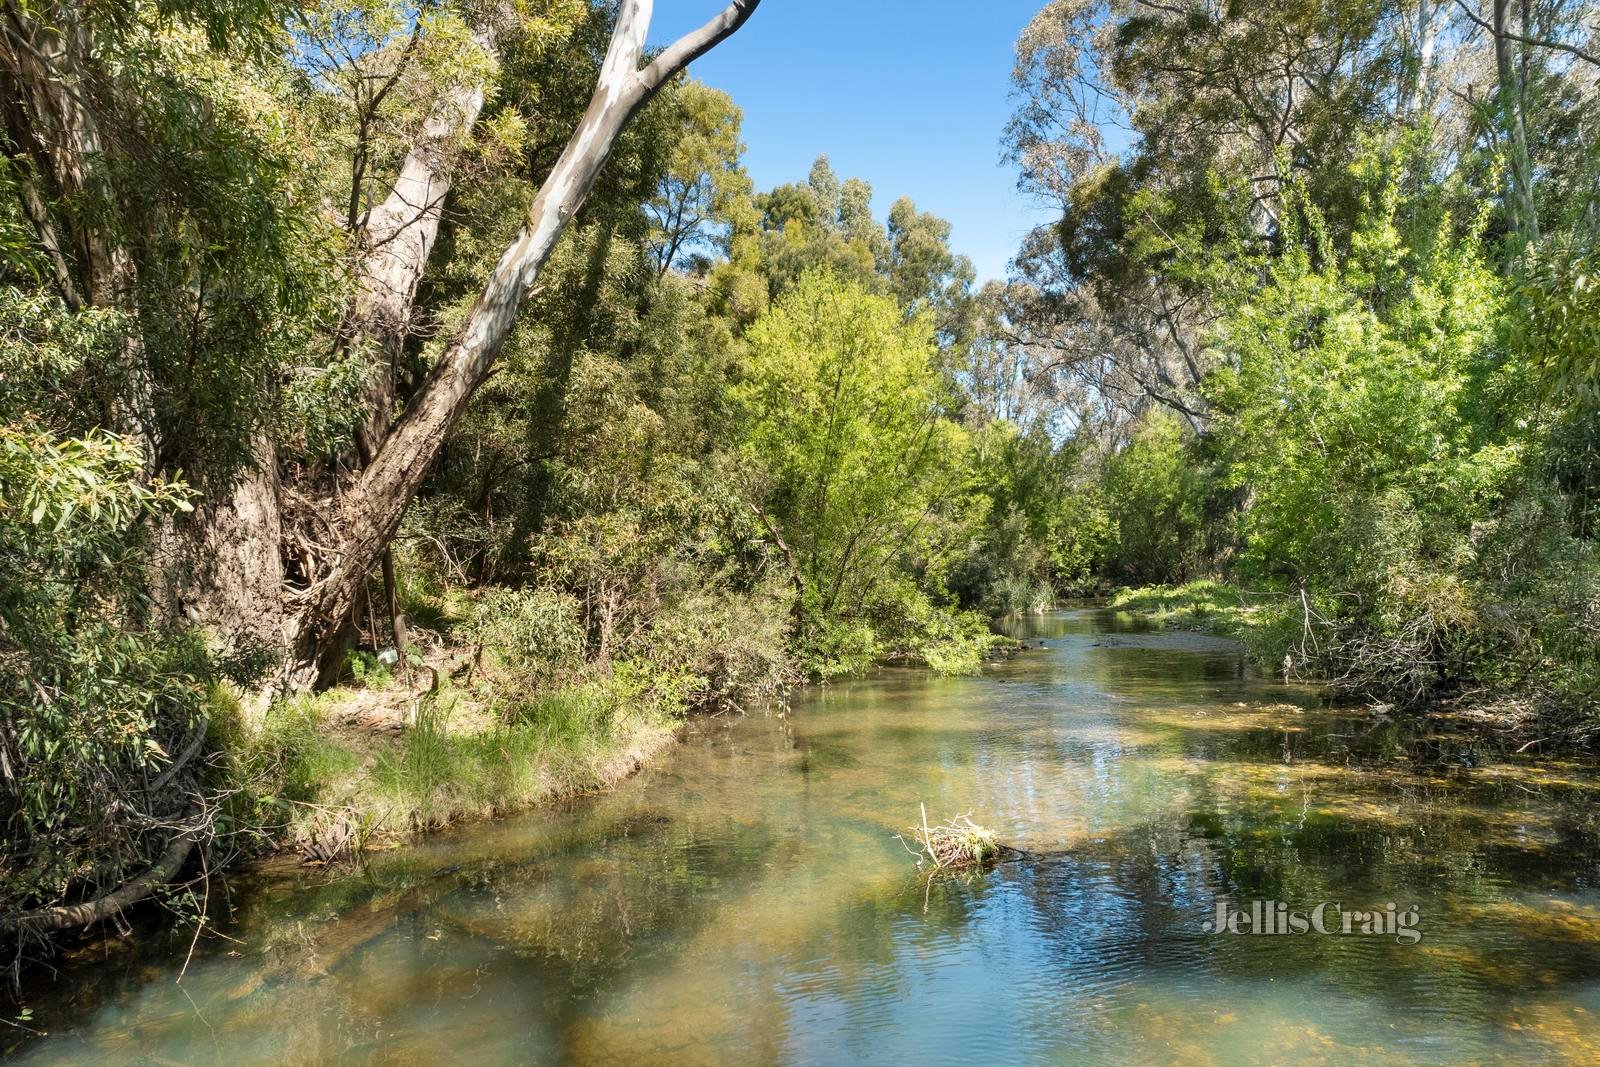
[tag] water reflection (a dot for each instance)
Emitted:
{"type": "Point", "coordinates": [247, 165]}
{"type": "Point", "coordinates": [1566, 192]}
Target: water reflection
{"type": "Point", "coordinates": [746, 901]}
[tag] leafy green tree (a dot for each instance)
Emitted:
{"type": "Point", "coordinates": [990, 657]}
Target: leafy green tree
{"type": "Point", "coordinates": [847, 415]}
{"type": "Point", "coordinates": [927, 277]}
{"type": "Point", "coordinates": [1356, 377]}
{"type": "Point", "coordinates": [1349, 246]}
{"type": "Point", "coordinates": [1154, 497]}
{"type": "Point", "coordinates": [706, 195]}
{"type": "Point", "coordinates": [102, 709]}
{"type": "Point", "coordinates": [1558, 298]}
{"type": "Point", "coordinates": [1371, 415]}
{"type": "Point", "coordinates": [1044, 522]}
{"type": "Point", "coordinates": [217, 227]}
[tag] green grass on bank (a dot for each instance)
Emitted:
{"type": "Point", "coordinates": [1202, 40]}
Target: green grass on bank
{"type": "Point", "coordinates": [1270, 625]}
{"type": "Point", "coordinates": [325, 774]}
{"type": "Point", "coordinates": [1211, 606]}
{"type": "Point", "coordinates": [323, 779]}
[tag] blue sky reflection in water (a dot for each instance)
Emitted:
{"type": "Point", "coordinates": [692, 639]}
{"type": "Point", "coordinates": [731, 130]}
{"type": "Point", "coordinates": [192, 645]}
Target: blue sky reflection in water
{"type": "Point", "coordinates": [746, 901]}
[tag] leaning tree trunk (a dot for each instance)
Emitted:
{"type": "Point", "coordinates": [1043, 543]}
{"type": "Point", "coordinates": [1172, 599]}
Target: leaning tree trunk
{"type": "Point", "coordinates": [224, 564]}
{"type": "Point", "coordinates": [372, 510]}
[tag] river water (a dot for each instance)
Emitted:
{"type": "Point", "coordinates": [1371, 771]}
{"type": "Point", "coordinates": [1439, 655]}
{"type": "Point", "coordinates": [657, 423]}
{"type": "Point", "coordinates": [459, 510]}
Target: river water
{"type": "Point", "coordinates": [745, 901]}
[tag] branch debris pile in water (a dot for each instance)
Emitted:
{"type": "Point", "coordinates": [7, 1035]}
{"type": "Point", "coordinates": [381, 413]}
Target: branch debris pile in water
{"type": "Point", "coordinates": [959, 844]}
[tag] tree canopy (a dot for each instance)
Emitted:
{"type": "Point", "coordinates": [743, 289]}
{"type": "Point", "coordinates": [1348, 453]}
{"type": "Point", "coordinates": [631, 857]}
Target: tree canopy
{"type": "Point", "coordinates": [342, 341]}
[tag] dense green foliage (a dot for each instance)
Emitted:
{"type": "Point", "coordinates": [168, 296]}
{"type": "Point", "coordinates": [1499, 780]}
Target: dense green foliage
{"type": "Point", "coordinates": [849, 420]}
{"type": "Point", "coordinates": [1334, 341]}
{"type": "Point", "coordinates": [120, 403]}
{"type": "Point", "coordinates": [86, 689]}
{"type": "Point", "coordinates": [1323, 326]}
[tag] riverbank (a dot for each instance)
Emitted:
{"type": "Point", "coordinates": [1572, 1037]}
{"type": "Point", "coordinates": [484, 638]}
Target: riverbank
{"type": "Point", "coordinates": [1438, 675]}
{"type": "Point", "coordinates": [1205, 605]}
{"type": "Point", "coordinates": [753, 874]}
{"type": "Point", "coordinates": [482, 717]}
{"type": "Point", "coordinates": [328, 775]}
{"type": "Point", "coordinates": [486, 714]}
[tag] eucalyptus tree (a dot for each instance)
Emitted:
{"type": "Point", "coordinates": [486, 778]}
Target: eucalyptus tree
{"type": "Point", "coordinates": [218, 231]}
{"type": "Point", "coordinates": [1348, 241]}
{"type": "Point", "coordinates": [160, 279]}
{"type": "Point", "coordinates": [372, 507]}
{"type": "Point", "coordinates": [1169, 136]}
{"type": "Point", "coordinates": [706, 193]}
{"type": "Point", "coordinates": [1540, 83]}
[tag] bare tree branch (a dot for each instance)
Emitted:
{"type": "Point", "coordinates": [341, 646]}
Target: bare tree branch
{"type": "Point", "coordinates": [1511, 35]}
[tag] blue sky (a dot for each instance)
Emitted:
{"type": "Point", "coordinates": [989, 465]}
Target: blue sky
{"type": "Point", "coordinates": [911, 95]}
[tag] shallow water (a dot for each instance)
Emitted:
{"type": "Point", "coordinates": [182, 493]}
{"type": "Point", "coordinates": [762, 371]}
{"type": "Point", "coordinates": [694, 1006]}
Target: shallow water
{"type": "Point", "coordinates": [746, 900]}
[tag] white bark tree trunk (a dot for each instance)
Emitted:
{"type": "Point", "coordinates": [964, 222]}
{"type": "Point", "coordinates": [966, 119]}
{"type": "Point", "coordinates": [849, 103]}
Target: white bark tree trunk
{"type": "Point", "coordinates": [372, 511]}
{"type": "Point", "coordinates": [224, 565]}
{"type": "Point", "coordinates": [397, 237]}
{"type": "Point", "coordinates": [1524, 214]}
{"type": "Point", "coordinates": [1416, 96]}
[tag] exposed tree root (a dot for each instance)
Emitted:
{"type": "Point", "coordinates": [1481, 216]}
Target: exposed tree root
{"type": "Point", "coordinates": [66, 916]}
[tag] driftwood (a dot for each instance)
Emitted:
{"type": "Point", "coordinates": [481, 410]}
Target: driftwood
{"type": "Point", "coordinates": [956, 845]}
{"type": "Point", "coordinates": [960, 845]}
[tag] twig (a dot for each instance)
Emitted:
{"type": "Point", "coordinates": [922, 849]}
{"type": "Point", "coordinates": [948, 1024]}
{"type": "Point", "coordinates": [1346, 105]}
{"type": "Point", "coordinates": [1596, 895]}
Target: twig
{"type": "Point", "coordinates": [927, 838]}
{"type": "Point", "coordinates": [200, 920]}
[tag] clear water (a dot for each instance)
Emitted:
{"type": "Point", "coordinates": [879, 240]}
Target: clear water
{"type": "Point", "coordinates": [746, 901]}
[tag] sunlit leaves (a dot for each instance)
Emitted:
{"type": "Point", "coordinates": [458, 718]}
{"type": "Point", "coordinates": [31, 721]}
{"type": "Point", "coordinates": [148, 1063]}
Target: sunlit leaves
{"type": "Point", "coordinates": [846, 411]}
{"type": "Point", "coordinates": [706, 196]}
{"type": "Point", "coordinates": [84, 689]}
{"type": "Point", "coordinates": [1355, 378]}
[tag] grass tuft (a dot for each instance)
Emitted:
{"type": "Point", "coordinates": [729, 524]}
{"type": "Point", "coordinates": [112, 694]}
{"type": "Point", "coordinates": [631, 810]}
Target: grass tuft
{"type": "Point", "coordinates": [1207, 605]}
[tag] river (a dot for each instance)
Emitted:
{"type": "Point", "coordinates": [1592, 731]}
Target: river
{"type": "Point", "coordinates": [745, 900]}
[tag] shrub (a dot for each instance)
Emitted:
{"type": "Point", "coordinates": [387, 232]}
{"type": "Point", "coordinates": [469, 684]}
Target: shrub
{"type": "Point", "coordinates": [101, 709]}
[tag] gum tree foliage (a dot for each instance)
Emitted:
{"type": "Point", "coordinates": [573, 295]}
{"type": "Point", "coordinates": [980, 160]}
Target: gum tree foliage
{"type": "Point", "coordinates": [220, 222]}
{"type": "Point", "coordinates": [89, 694]}
{"type": "Point", "coordinates": [161, 281]}
{"type": "Point", "coordinates": [1349, 247]}
{"type": "Point", "coordinates": [1167, 132]}
{"type": "Point", "coordinates": [1154, 495]}
{"type": "Point", "coordinates": [827, 224]}
{"type": "Point", "coordinates": [705, 194]}
{"type": "Point", "coordinates": [1391, 438]}
{"type": "Point", "coordinates": [1044, 522]}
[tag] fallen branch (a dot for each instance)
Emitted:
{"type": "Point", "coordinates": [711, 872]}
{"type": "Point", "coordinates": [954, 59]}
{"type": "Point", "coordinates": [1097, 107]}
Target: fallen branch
{"type": "Point", "coordinates": [113, 903]}
{"type": "Point", "coordinates": [184, 757]}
